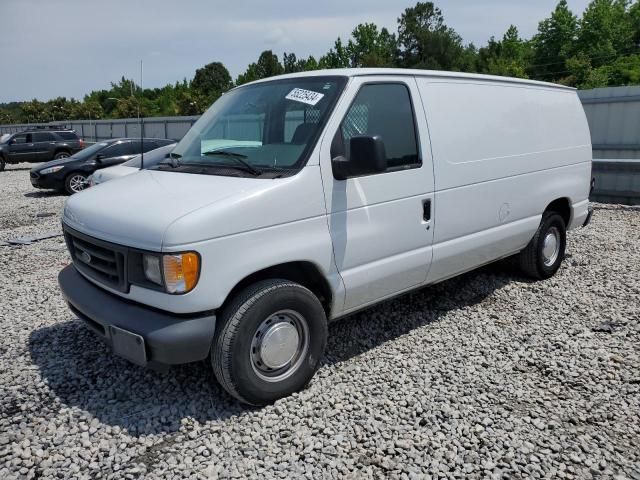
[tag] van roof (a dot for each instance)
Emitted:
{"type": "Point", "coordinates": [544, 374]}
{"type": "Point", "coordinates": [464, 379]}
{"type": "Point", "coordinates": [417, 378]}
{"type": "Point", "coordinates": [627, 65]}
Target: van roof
{"type": "Point", "coordinates": [362, 72]}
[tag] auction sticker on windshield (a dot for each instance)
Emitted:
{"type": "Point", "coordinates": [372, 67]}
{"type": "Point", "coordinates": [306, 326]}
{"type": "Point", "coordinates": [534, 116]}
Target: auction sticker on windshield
{"type": "Point", "coordinates": [305, 96]}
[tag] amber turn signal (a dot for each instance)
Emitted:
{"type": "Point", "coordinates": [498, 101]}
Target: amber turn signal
{"type": "Point", "coordinates": [181, 271]}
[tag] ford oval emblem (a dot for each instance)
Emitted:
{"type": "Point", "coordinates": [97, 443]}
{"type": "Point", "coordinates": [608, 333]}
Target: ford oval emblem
{"type": "Point", "coordinates": [84, 256]}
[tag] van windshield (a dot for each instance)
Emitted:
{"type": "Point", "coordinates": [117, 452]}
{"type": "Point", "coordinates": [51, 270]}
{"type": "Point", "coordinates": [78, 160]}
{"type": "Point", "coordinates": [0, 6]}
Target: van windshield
{"type": "Point", "coordinates": [262, 130]}
{"type": "Point", "coordinates": [88, 152]}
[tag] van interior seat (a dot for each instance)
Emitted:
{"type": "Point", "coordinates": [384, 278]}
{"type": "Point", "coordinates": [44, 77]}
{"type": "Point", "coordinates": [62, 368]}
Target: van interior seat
{"type": "Point", "coordinates": [302, 133]}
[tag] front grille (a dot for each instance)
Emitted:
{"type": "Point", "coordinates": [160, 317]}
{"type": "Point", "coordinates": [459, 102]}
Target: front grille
{"type": "Point", "coordinates": [102, 261]}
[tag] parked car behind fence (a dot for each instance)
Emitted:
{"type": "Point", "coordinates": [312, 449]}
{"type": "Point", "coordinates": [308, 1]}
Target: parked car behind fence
{"type": "Point", "coordinates": [70, 175]}
{"type": "Point", "coordinates": [151, 158]}
{"type": "Point", "coordinates": [39, 145]}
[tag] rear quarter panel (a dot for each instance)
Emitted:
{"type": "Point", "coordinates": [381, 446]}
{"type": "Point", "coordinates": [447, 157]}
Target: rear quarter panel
{"type": "Point", "coordinates": [502, 152]}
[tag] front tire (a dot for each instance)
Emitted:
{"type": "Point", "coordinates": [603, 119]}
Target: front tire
{"type": "Point", "coordinates": [75, 182]}
{"type": "Point", "coordinates": [543, 255]}
{"type": "Point", "coordinates": [269, 341]}
{"type": "Point", "coordinates": [2, 163]}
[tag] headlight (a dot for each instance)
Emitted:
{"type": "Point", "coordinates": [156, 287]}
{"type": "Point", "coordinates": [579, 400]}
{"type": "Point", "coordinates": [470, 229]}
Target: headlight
{"type": "Point", "coordinates": [46, 171]}
{"type": "Point", "coordinates": [151, 265]}
{"type": "Point", "coordinates": [178, 272]}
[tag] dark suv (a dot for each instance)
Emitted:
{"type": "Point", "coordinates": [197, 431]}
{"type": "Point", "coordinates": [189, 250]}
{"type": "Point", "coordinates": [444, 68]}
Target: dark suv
{"type": "Point", "coordinates": [71, 174]}
{"type": "Point", "coordinates": [39, 145]}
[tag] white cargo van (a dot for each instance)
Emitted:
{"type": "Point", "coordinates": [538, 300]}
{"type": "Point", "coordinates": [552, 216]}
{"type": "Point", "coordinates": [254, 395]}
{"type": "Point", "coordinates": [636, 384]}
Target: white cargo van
{"type": "Point", "coordinates": [300, 199]}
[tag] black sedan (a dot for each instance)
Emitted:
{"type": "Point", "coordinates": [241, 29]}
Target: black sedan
{"type": "Point", "coordinates": [70, 174]}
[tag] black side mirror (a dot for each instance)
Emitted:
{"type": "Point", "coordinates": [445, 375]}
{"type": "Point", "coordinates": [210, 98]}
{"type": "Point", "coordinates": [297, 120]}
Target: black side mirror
{"type": "Point", "coordinates": [12, 141]}
{"type": "Point", "coordinates": [99, 157]}
{"type": "Point", "coordinates": [367, 156]}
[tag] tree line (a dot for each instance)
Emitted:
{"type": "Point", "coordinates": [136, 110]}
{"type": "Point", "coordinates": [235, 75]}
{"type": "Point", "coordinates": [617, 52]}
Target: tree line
{"type": "Point", "coordinates": [601, 48]}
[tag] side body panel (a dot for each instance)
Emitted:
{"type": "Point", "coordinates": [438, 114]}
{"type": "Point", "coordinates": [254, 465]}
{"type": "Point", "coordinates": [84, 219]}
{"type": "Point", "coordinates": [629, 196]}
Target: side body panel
{"type": "Point", "coordinates": [502, 153]}
{"type": "Point", "coordinates": [23, 151]}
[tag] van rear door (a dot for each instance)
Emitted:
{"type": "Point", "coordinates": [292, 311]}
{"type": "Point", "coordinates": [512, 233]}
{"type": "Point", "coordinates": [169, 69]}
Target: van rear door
{"type": "Point", "coordinates": [380, 224]}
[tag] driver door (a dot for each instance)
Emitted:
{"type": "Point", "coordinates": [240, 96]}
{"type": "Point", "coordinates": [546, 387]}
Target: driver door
{"type": "Point", "coordinates": [380, 224]}
{"type": "Point", "coordinates": [119, 153]}
{"type": "Point", "coordinates": [21, 148]}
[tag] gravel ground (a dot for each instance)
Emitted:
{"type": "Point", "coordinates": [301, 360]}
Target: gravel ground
{"type": "Point", "coordinates": [486, 375]}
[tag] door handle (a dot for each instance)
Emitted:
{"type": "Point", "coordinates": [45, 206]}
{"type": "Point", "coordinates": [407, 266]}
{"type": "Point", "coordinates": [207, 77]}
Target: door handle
{"type": "Point", "coordinates": [426, 210]}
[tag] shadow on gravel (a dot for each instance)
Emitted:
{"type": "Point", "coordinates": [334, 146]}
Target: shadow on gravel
{"type": "Point", "coordinates": [44, 194]}
{"type": "Point", "coordinates": [81, 371]}
{"type": "Point", "coordinates": [372, 327]}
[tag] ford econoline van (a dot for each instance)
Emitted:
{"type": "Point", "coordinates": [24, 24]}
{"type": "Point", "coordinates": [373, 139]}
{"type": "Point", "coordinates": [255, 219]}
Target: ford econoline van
{"type": "Point", "coordinates": [300, 199]}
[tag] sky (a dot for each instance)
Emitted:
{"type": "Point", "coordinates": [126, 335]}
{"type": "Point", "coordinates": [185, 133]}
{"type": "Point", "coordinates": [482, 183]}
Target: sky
{"type": "Point", "coordinates": [53, 48]}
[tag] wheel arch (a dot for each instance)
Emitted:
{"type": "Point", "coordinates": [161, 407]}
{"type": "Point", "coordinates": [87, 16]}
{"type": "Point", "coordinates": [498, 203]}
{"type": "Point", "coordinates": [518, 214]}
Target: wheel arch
{"type": "Point", "coordinates": [306, 273]}
{"type": "Point", "coordinates": [58, 150]}
{"type": "Point", "coordinates": [562, 206]}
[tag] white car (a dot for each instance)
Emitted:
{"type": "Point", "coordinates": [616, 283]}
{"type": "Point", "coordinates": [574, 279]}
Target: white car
{"type": "Point", "coordinates": [297, 200]}
{"type": "Point", "coordinates": [151, 159]}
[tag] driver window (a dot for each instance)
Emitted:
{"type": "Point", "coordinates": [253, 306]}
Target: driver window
{"type": "Point", "coordinates": [384, 110]}
{"type": "Point", "coordinates": [119, 150]}
{"type": "Point", "coordinates": [22, 138]}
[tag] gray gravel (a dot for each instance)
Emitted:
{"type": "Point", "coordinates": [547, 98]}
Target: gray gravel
{"type": "Point", "coordinates": [486, 375]}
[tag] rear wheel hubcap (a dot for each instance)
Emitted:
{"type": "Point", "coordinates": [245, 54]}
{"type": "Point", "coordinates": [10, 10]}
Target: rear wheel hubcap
{"type": "Point", "coordinates": [551, 246]}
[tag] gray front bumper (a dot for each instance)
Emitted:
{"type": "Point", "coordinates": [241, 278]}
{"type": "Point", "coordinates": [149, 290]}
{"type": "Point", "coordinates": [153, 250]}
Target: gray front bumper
{"type": "Point", "coordinates": [168, 338]}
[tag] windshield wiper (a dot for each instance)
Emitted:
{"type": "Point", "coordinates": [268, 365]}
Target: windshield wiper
{"type": "Point", "coordinates": [238, 157]}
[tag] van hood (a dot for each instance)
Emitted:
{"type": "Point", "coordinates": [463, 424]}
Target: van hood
{"type": "Point", "coordinates": [110, 173]}
{"type": "Point", "coordinates": [153, 210]}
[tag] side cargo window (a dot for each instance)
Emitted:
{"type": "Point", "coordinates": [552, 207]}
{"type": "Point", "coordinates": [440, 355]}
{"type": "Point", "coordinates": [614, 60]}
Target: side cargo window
{"type": "Point", "coordinates": [385, 110]}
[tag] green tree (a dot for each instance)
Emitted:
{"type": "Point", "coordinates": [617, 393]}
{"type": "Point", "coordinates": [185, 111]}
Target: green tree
{"type": "Point", "coordinates": [336, 57]}
{"type": "Point", "coordinates": [124, 88]}
{"type": "Point", "coordinates": [426, 42]}
{"type": "Point", "coordinates": [87, 110]}
{"type": "Point", "coordinates": [191, 102]}
{"type": "Point", "coordinates": [554, 43]}
{"type": "Point", "coordinates": [583, 75]}
{"type": "Point", "coordinates": [267, 66]}
{"type": "Point", "coordinates": [605, 31]}
{"type": "Point", "coordinates": [292, 64]}
{"type": "Point", "coordinates": [370, 47]}
{"type": "Point", "coordinates": [60, 108]}
{"type": "Point", "coordinates": [624, 71]}
{"type": "Point", "coordinates": [212, 80]}
{"type": "Point", "coordinates": [634, 22]}
{"type": "Point", "coordinates": [35, 111]}
{"type": "Point", "coordinates": [507, 57]}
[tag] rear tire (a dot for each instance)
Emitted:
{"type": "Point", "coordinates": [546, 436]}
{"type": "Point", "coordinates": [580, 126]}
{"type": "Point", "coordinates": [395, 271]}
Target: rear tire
{"type": "Point", "coordinates": [269, 341]}
{"type": "Point", "coordinates": [75, 182]}
{"type": "Point", "coordinates": [543, 255]}
{"type": "Point", "coordinates": [2, 164]}
{"type": "Point", "coordinates": [60, 155]}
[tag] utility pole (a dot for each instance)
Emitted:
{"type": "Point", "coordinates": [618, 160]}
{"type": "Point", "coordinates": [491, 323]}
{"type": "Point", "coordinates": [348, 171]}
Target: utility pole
{"type": "Point", "coordinates": [141, 120]}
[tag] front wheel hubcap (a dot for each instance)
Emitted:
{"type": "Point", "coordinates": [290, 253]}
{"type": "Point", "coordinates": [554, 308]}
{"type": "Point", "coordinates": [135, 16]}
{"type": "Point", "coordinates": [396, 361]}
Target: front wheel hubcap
{"type": "Point", "coordinates": [279, 345]}
{"type": "Point", "coordinates": [551, 246]}
{"type": "Point", "coordinates": [77, 183]}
